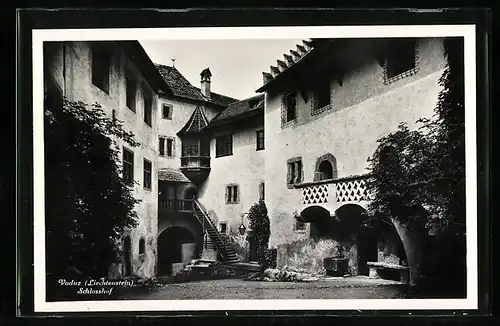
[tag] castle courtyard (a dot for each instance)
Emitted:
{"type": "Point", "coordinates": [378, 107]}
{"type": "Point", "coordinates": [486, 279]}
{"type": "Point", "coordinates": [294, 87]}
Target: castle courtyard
{"type": "Point", "coordinates": [235, 289]}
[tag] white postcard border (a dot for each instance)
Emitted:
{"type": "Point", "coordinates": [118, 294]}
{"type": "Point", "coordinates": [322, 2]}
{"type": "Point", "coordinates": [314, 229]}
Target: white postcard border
{"type": "Point", "coordinates": [238, 33]}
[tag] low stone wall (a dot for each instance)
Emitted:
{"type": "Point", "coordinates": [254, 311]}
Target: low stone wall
{"type": "Point", "coordinates": [308, 254]}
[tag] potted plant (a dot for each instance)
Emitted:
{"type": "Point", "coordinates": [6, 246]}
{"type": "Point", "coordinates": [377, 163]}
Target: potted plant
{"type": "Point", "coordinates": [338, 264]}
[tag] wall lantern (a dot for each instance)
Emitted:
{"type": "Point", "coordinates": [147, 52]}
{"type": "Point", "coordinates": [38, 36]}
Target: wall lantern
{"type": "Point", "coordinates": [242, 227]}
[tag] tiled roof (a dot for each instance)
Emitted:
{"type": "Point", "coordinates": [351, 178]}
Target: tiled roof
{"type": "Point", "coordinates": [239, 110]}
{"type": "Point", "coordinates": [172, 175]}
{"type": "Point", "coordinates": [196, 123]}
{"type": "Point", "coordinates": [181, 87]}
{"type": "Point", "coordinates": [218, 99]}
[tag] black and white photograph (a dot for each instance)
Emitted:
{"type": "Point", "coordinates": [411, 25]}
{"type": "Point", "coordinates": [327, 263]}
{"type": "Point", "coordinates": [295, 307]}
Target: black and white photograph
{"type": "Point", "coordinates": [255, 168]}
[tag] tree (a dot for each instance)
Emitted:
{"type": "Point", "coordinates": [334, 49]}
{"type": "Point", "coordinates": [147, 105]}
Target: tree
{"type": "Point", "coordinates": [88, 206]}
{"type": "Point", "coordinates": [421, 173]}
{"type": "Point", "coordinates": [260, 226]}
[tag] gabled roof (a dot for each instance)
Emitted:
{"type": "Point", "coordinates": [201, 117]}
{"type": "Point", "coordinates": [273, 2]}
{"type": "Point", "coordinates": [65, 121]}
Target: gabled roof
{"type": "Point", "coordinates": [181, 87]}
{"type": "Point", "coordinates": [172, 175]}
{"type": "Point", "coordinates": [240, 110]}
{"type": "Point", "coordinates": [196, 123]}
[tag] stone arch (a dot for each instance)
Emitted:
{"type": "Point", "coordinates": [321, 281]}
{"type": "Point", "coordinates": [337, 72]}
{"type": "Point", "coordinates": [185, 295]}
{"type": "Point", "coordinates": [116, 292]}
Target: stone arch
{"type": "Point", "coordinates": [325, 164]}
{"type": "Point", "coordinates": [176, 247]}
{"type": "Point", "coordinates": [190, 191]}
{"type": "Point", "coordinates": [142, 246]}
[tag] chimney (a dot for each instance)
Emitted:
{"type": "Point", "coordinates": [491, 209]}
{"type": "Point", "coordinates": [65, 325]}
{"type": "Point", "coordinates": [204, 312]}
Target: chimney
{"type": "Point", "coordinates": [205, 82]}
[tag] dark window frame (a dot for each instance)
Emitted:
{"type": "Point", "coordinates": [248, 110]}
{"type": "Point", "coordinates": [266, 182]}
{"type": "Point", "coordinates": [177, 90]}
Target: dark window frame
{"type": "Point", "coordinates": [295, 171]}
{"type": "Point", "coordinates": [262, 191]}
{"type": "Point", "coordinates": [148, 108]}
{"type": "Point", "coordinates": [224, 145]}
{"type": "Point", "coordinates": [232, 194]}
{"type": "Point", "coordinates": [161, 146]}
{"type": "Point", "coordinates": [101, 67]}
{"type": "Point", "coordinates": [169, 113]}
{"type": "Point", "coordinates": [169, 152]}
{"type": "Point", "coordinates": [128, 166]}
{"type": "Point", "coordinates": [260, 140]}
{"type": "Point", "coordinates": [290, 107]}
{"type": "Point", "coordinates": [400, 57]}
{"type": "Point", "coordinates": [147, 175]}
{"type": "Point", "coordinates": [130, 92]}
{"type": "Point", "coordinates": [142, 246]}
{"type": "Point", "coordinates": [225, 229]}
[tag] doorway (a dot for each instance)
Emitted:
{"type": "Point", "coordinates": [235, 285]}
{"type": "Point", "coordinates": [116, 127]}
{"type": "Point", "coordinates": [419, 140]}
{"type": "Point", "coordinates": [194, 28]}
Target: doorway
{"type": "Point", "coordinates": [127, 252]}
{"type": "Point", "coordinates": [366, 242]}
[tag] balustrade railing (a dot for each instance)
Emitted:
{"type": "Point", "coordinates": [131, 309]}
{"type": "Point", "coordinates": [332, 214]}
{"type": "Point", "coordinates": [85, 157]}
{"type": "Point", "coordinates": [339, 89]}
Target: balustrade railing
{"type": "Point", "coordinates": [348, 189]}
{"type": "Point", "coordinates": [175, 205]}
{"type": "Point", "coordinates": [195, 161]}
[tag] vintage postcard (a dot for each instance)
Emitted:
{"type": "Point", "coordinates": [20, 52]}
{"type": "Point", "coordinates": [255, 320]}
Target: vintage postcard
{"type": "Point", "coordinates": [255, 168]}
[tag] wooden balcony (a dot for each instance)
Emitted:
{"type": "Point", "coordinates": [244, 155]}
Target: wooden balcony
{"type": "Point", "coordinates": [196, 168]}
{"type": "Point", "coordinates": [175, 205]}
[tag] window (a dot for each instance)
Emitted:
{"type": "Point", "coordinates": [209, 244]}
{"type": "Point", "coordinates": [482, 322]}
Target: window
{"type": "Point", "coordinates": [148, 103]}
{"type": "Point", "coordinates": [170, 147]}
{"type": "Point", "coordinates": [161, 146]}
{"type": "Point", "coordinates": [113, 116]}
{"type": "Point", "coordinates": [400, 57]}
{"type": "Point", "coordinates": [325, 170]}
{"type": "Point", "coordinates": [190, 147]}
{"type": "Point", "coordinates": [260, 140]}
{"type": "Point", "coordinates": [223, 227]}
{"type": "Point", "coordinates": [130, 92]}
{"type": "Point", "coordinates": [322, 97]}
{"type": "Point", "coordinates": [299, 225]}
{"type": "Point", "coordinates": [166, 111]}
{"type": "Point", "coordinates": [100, 68]}
{"type": "Point", "coordinates": [290, 107]}
{"type": "Point", "coordinates": [147, 174]}
{"type": "Point", "coordinates": [261, 191]}
{"type": "Point", "coordinates": [224, 145]}
{"type": "Point", "coordinates": [294, 171]}
{"type": "Point", "coordinates": [142, 246]}
{"type": "Point", "coordinates": [232, 194]}
{"type": "Point", "coordinates": [128, 166]}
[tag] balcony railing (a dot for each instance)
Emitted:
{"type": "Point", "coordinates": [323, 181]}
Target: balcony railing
{"type": "Point", "coordinates": [195, 162]}
{"type": "Point", "coordinates": [342, 190]}
{"type": "Point", "coordinates": [175, 205]}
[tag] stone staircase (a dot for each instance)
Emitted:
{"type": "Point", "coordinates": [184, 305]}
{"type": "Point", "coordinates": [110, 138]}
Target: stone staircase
{"type": "Point", "coordinates": [216, 239]}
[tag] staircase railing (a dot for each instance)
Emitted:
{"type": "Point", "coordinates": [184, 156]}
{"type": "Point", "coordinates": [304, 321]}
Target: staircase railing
{"type": "Point", "coordinates": [206, 218]}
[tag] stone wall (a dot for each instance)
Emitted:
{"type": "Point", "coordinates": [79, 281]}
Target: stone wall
{"type": "Point", "coordinates": [71, 66]}
{"type": "Point", "coordinates": [363, 110]}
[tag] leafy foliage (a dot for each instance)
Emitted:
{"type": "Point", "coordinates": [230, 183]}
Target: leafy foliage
{"type": "Point", "coordinates": [421, 173]}
{"type": "Point", "coordinates": [88, 206]}
{"type": "Point", "coordinates": [261, 231]}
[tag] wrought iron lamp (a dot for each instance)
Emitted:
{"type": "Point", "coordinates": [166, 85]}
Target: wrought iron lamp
{"type": "Point", "coordinates": [242, 227]}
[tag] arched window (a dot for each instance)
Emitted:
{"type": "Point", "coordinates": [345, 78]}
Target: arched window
{"type": "Point", "coordinates": [326, 168]}
{"type": "Point", "coordinates": [142, 246]}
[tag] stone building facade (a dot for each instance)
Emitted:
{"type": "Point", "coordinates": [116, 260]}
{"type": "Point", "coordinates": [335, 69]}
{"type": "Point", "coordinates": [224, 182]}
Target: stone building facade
{"type": "Point", "coordinates": [122, 79]}
{"type": "Point", "coordinates": [327, 103]}
{"type": "Point", "coordinates": [302, 145]}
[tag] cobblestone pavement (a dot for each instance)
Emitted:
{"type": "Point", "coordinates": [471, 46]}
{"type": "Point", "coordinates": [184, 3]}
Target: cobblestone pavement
{"type": "Point", "coordinates": [330, 288]}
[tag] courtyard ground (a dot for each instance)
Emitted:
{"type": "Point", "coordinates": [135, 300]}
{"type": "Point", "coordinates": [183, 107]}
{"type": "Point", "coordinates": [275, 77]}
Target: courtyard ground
{"type": "Point", "coordinates": [327, 288]}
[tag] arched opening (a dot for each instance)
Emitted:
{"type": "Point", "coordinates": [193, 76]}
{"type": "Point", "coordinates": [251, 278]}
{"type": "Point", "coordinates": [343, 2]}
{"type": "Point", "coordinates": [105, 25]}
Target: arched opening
{"type": "Point", "coordinates": [191, 192]}
{"type": "Point", "coordinates": [325, 170]}
{"type": "Point", "coordinates": [126, 253]}
{"type": "Point", "coordinates": [176, 246]}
